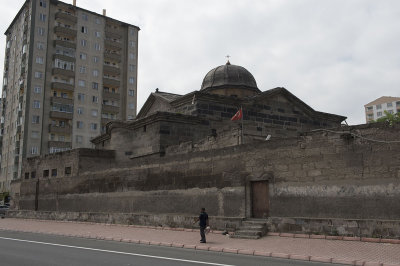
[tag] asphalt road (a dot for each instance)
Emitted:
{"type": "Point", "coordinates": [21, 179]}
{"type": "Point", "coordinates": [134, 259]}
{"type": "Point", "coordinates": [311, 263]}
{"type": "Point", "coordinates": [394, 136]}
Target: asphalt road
{"type": "Point", "coordinates": [18, 248]}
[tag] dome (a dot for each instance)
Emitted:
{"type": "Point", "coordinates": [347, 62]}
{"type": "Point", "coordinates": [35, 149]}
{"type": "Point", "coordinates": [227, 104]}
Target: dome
{"type": "Point", "coordinates": [228, 77]}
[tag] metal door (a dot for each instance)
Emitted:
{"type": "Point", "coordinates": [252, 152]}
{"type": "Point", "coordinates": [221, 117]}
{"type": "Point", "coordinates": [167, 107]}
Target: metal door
{"type": "Point", "coordinates": [260, 199]}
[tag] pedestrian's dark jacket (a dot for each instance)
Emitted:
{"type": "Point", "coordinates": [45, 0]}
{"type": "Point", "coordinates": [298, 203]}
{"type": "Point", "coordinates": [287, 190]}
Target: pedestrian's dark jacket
{"type": "Point", "coordinates": [203, 218]}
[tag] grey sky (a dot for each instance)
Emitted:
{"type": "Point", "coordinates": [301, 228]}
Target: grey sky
{"type": "Point", "coordinates": [334, 55]}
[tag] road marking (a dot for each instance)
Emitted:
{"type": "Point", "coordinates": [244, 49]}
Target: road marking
{"type": "Point", "coordinates": [116, 252]}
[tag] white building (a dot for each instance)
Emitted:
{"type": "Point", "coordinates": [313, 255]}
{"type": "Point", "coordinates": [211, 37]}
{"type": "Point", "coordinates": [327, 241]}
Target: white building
{"type": "Point", "coordinates": [376, 109]}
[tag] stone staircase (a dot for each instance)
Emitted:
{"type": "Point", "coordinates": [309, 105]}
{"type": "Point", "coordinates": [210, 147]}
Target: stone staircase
{"type": "Point", "coordinates": [251, 229]}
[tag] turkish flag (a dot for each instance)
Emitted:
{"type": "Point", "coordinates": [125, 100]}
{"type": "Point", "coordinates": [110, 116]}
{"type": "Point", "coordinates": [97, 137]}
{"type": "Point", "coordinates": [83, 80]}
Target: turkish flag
{"type": "Point", "coordinates": [238, 115]}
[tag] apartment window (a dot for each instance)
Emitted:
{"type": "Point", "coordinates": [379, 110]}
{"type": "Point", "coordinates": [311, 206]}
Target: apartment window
{"type": "Point", "coordinates": [131, 93]}
{"type": "Point", "coordinates": [95, 73]}
{"type": "Point", "coordinates": [35, 119]}
{"type": "Point", "coordinates": [34, 150]}
{"type": "Point", "coordinates": [378, 106]}
{"type": "Point", "coordinates": [369, 108]}
{"type": "Point", "coordinates": [33, 174]}
{"type": "Point", "coordinates": [53, 172]}
{"type": "Point", "coordinates": [97, 34]}
{"type": "Point", "coordinates": [82, 56]}
{"type": "Point", "coordinates": [38, 74]}
{"type": "Point", "coordinates": [84, 29]}
{"type": "Point", "coordinates": [94, 113]}
{"type": "Point", "coordinates": [131, 68]}
{"type": "Point", "coordinates": [42, 17]}
{"type": "Point", "coordinates": [79, 124]}
{"type": "Point", "coordinates": [46, 173]}
{"type": "Point", "coordinates": [389, 105]}
{"type": "Point", "coordinates": [39, 60]}
{"type": "Point", "coordinates": [79, 139]}
{"type": "Point", "coordinates": [84, 16]}
{"type": "Point", "coordinates": [131, 56]}
{"type": "Point", "coordinates": [81, 97]}
{"type": "Point", "coordinates": [390, 111]}
{"type": "Point", "coordinates": [95, 59]}
{"type": "Point", "coordinates": [131, 80]}
{"type": "Point", "coordinates": [36, 104]}
{"type": "Point", "coordinates": [61, 138]}
{"type": "Point", "coordinates": [97, 21]}
{"type": "Point", "coordinates": [93, 126]}
{"type": "Point", "coordinates": [82, 69]}
{"type": "Point", "coordinates": [131, 106]}
{"type": "Point", "coordinates": [379, 114]}
{"type": "Point", "coordinates": [42, 3]}
{"type": "Point", "coordinates": [95, 99]}
{"type": "Point", "coordinates": [40, 46]}
{"type": "Point", "coordinates": [52, 136]}
{"type": "Point", "coordinates": [83, 43]}
{"type": "Point", "coordinates": [37, 89]}
{"type": "Point", "coordinates": [41, 31]}
{"type": "Point", "coordinates": [95, 85]}
{"type": "Point", "coordinates": [132, 44]}
{"type": "Point", "coordinates": [130, 117]}
{"type": "Point", "coordinates": [97, 47]}
{"type": "Point", "coordinates": [81, 83]}
{"type": "Point", "coordinates": [79, 110]}
{"type": "Point", "coordinates": [26, 175]}
{"type": "Point", "coordinates": [35, 134]}
{"type": "Point", "coordinates": [132, 31]}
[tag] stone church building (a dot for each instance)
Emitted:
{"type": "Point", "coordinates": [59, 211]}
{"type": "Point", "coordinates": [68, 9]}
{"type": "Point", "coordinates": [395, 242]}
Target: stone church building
{"type": "Point", "coordinates": [297, 169]}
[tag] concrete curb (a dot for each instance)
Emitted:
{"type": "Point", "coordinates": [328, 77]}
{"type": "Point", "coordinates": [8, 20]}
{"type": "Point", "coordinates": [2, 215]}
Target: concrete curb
{"type": "Point", "coordinates": [345, 238]}
{"type": "Point", "coordinates": [227, 250]}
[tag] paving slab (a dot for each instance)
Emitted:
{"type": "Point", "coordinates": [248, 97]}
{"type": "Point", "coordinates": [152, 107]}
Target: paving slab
{"type": "Point", "coordinates": [322, 250]}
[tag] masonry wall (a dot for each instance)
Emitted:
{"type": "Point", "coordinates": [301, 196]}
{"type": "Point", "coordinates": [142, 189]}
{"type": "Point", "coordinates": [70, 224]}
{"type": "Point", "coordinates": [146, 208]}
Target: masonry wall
{"type": "Point", "coordinates": [338, 174]}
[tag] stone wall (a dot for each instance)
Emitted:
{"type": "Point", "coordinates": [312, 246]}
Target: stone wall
{"type": "Point", "coordinates": [327, 174]}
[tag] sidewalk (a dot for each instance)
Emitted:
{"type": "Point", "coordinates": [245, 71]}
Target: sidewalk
{"type": "Point", "coordinates": [322, 250]}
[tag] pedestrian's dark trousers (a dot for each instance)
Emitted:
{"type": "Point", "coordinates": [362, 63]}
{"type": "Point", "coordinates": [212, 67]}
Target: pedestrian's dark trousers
{"type": "Point", "coordinates": [202, 233]}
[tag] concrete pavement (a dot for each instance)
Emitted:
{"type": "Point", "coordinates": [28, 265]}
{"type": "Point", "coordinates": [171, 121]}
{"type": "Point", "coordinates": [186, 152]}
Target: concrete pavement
{"type": "Point", "coordinates": [319, 250]}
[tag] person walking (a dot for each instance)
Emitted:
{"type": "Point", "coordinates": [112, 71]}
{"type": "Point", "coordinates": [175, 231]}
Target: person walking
{"type": "Point", "coordinates": [203, 222]}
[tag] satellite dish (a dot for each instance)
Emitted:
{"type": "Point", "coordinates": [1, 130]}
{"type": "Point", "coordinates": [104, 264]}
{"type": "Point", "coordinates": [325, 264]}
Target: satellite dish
{"type": "Point", "coordinates": [268, 137]}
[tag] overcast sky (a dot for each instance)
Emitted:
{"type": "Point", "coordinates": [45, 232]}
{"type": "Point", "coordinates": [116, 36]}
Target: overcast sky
{"type": "Point", "coordinates": [334, 55]}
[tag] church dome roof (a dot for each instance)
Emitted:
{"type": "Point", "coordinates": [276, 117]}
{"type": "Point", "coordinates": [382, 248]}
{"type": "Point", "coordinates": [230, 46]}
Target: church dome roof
{"type": "Point", "coordinates": [229, 76]}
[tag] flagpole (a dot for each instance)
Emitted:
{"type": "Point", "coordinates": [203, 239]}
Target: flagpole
{"type": "Point", "coordinates": [241, 109]}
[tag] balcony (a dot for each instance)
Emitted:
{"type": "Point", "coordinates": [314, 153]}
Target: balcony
{"type": "Point", "coordinates": [106, 120]}
{"type": "Point", "coordinates": [113, 33]}
{"type": "Point", "coordinates": [111, 82]}
{"type": "Point", "coordinates": [19, 128]}
{"type": "Point", "coordinates": [62, 86]}
{"type": "Point", "coordinates": [110, 108]}
{"type": "Point", "coordinates": [111, 70]}
{"type": "Point", "coordinates": [64, 72]}
{"type": "Point", "coordinates": [60, 144]}
{"type": "Point", "coordinates": [61, 100]}
{"type": "Point", "coordinates": [64, 57]}
{"type": "Point", "coordinates": [63, 130]}
{"type": "Point", "coordinates": [61, 115]}
{"type": "Point", "coordinates": [66, 17]}
{"type": "Point", "coordinates": [112, 45]}
{"type": "Point", "coordinates": [67, 44]}
{"type": "Point", "coordinates": [111, 95]}
{"type": "Point", "coordinates": [112, 57]}
{"type": "Point", "coordinates": [65, 31]}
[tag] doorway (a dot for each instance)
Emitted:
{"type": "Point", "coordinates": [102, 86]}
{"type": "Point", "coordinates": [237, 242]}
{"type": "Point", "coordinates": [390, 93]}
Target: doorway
{"type": "Point", "coordinates": [260, 199]}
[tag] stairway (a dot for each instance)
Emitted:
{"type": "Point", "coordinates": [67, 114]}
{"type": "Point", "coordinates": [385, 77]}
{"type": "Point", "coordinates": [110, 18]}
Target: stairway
{"type": "Point", "coordinates": [251, 229]}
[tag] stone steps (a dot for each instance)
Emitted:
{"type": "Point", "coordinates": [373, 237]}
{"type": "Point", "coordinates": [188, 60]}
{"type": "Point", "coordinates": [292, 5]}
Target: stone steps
{"type": "Point", "coordinates": [251, 229]}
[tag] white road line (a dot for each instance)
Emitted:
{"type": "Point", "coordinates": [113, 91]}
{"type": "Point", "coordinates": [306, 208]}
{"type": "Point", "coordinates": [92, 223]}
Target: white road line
{"type": "Point", "coordinates": [116, 252]}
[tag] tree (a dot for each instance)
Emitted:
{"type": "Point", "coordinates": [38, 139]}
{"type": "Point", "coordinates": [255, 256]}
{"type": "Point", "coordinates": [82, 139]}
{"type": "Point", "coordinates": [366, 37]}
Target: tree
{"type": "Point", "coordinates": [389, 118]}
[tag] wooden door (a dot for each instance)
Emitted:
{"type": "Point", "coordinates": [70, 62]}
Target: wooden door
{"type": "Point", "coordinates": [260, 199]}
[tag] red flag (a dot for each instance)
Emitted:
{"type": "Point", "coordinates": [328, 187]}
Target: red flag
{"type": "Point", "coordinates": [238, 115]}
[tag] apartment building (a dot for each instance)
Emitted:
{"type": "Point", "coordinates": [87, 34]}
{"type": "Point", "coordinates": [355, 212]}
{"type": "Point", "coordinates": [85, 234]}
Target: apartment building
{"type": "Point", "coordinates": [67, 73]}
{"type": "Point", "coordinates": [377, 108]}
